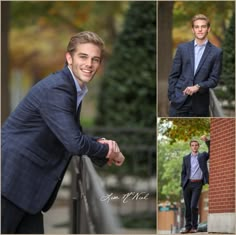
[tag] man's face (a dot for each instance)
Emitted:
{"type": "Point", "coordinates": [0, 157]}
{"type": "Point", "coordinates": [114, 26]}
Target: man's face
{"type": "Point", "coordinates": [194, 147]}
{"type": "Point", "coordinates": [200, 29]}
{"type": "Point", "coordinates": [84, 62]}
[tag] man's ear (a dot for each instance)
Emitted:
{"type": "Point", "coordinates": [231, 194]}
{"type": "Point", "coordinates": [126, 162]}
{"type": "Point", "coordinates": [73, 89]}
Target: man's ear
{"type": "Point", "coordinates": [68, 58]}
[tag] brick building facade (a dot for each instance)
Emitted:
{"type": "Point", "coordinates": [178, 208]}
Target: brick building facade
{"type": "Point", "coordinates": [222, 213]}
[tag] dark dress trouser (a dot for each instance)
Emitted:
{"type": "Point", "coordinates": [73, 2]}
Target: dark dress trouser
{"type": "Point", "coordinates": [191, 194]}
{"type": "Point", "coordinates": [16, 221]}
{"type": "Point", "coordinates": [186, 110]}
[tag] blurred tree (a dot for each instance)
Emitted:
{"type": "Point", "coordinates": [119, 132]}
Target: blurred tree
{"type": "Point", "coordinates": [161, 169]}
{"type": "Point", "coordinates": [5, 99]}
{"type": "Point", "coordinates": [169, 168]}
{"type": "Point", "coordinates": [128, 91]}
{"type": "Point", "coordinates": [164, 53]}
{"type": "Point", "coordinates": [127, 97]}
{"type": "Point", "coordinates": [184, 128]}
{"type": "Point", "coordinates": [107, 17]}
{"type": "Point", "coordinates": [71, 16]}
{"type": "Point", "coordinates": [228, 70]}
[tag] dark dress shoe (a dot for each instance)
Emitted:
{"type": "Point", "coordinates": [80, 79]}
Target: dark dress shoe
{"type": "Point", "coordinates": [193, 230]}
{"type": "Point", "coordinates": [185, 230]}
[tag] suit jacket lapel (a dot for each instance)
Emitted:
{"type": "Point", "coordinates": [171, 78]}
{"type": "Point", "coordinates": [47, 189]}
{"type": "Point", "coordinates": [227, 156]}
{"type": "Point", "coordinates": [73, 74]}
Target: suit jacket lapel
{"type": "Point", "coordinates": [189, 161]}
{"type": "Point", "coordinates": [78, 113]}
{"type": "Point", "coordinates": [204, 56]}
{"type": "Point", "coordinates": [199, 158]}
{"type": "Point", "coordinates": [70, 79]}
{"type": "Point", "coordinates": [191, 51]}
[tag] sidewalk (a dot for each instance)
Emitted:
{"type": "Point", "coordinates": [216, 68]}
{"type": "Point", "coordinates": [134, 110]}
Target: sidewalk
{"type": "Point", "coordinates": [56, 220]}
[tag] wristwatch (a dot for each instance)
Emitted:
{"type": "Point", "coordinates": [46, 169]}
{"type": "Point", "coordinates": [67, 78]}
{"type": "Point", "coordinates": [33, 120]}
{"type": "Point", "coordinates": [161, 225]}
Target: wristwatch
{"type": "Point", "coordinates": [197, 86]}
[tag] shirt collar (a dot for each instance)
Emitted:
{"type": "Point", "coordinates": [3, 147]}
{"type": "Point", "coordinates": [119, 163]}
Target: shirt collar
{"type": "Point", "coordinates": [194, 155]}
{"type": "Point", "coordinates": [78, 88]}
{"type": "Point", "coordinates": [204, 44]}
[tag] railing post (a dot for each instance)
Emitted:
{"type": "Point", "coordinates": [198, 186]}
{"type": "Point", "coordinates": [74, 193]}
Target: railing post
{"type": "Point", "coordinates": [75, 215]}
{"type": "Point", "coordinates": [215, 108]}
{"type": "Point", "coordinates": [79, 193]}
{"type": "Point", "coordinates": [87, 218]}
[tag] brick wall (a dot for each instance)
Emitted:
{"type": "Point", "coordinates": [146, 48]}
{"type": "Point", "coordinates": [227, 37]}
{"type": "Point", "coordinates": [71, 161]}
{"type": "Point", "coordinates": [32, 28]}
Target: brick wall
{"type": "Point", "coordinates": [222, 166]}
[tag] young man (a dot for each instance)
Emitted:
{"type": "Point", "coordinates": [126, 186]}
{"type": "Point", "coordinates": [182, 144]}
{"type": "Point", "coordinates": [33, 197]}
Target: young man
{"type": "Point", "coordinates": [194, 175]}
{"type": "Point", "coordinates": [196, 68]}
{"type": "Point", "coordinates": [43, 133]}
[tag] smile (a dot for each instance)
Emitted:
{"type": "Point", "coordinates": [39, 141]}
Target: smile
{"type": "Point", "coordinates": [86, 71]}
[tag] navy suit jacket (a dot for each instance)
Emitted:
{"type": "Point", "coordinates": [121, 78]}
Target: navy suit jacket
{"type": "Point", "coordinates": [206, 76]}
{"type": "Point", "coordinates": [186, 167]}
{"type": "Point", "coordinates": [38, 141]}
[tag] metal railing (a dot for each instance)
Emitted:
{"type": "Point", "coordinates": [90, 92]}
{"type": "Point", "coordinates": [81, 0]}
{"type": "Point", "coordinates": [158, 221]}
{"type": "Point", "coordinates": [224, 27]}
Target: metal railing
{"type": "Point", "coordinates": [138, 174]}
{"type": "Point", "coordinates": [215, 108]}
{"type": "Point", "coordinates": [90, 214]}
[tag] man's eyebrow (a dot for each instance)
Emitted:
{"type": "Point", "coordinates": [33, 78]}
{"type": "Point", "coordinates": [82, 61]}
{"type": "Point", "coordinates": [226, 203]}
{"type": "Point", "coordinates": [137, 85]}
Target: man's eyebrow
{"type": "Point", "coordinates": [81, 53]}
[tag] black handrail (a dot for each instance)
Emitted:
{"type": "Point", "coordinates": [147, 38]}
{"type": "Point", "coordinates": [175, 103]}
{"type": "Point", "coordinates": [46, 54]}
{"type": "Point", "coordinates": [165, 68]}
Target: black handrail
{"type": "Point", "coordinates": [90, 214]}
{"type": "Point", "coordinates": [215, 108]}
{"type": "Point", "coordinates": [140, 150]}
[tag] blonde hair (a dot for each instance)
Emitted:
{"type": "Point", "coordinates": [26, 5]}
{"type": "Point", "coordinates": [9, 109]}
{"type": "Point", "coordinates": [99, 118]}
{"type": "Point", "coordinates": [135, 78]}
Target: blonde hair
{"type": "Point", "coordinates": [200, 17]}
{"type": "Point", "coordinates": [85, 37]}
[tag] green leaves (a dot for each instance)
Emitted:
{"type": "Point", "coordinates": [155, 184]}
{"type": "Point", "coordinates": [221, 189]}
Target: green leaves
{"type": "Point", "coordinates": [128, 94]}
{"type": "Point", "coordinates": [228, 70]}
{"type": "Point", "coordinates": [184, 128]}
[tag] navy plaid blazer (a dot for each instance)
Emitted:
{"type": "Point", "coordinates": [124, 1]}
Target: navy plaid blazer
{"type": "Point", "coordinates": [186, 166]}
{"type": "Point", "coordinates": [38, 140]}
{"type": "Point", "coordinates": [182, 75]}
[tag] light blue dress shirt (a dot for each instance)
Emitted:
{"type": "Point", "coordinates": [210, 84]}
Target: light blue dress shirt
{"type": "Point", "coordinates": [198, 52]}
{"type": "Point", "coordinates": [80, 92]}
{"type": "Point", "coordinates": [196, 172]}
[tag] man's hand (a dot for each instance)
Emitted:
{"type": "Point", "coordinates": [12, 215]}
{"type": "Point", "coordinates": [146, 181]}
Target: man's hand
{"type": "Point", "coordinates": [116, 158]}
{"type": "Point", "coordinates": [204, 138]}
{"type": "Point", "coordinates": [114, 155]}
{"type": "Point", "coordinates": [190, 90]}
